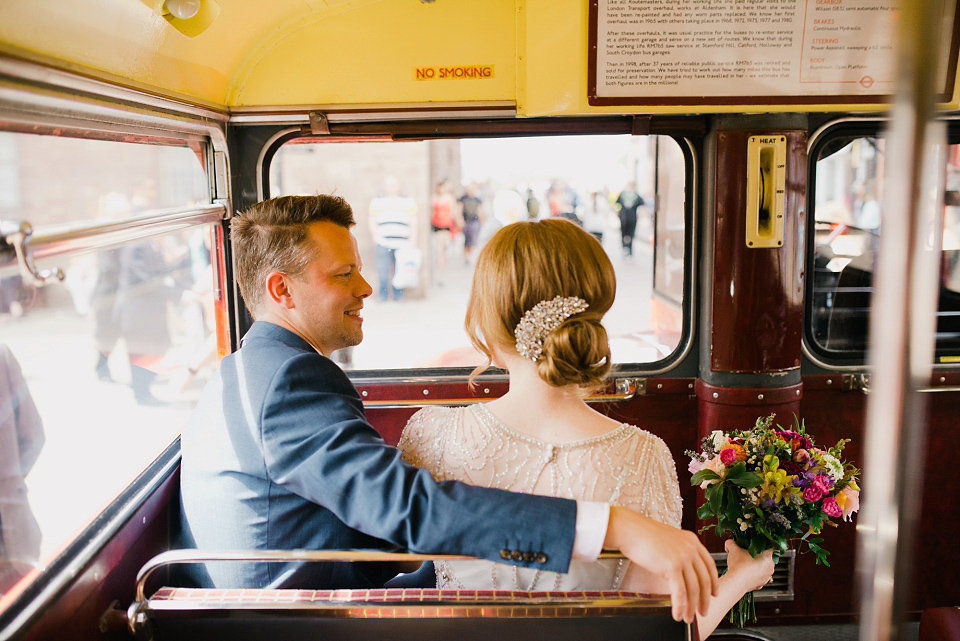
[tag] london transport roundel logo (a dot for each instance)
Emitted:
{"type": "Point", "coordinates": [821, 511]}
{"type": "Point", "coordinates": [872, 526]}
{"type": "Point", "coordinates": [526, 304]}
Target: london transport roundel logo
{"type": "Point", "coordinates": [866, 82]}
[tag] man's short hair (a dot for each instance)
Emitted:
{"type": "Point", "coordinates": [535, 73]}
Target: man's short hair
{"type": "Point", "coordinates": [272, 236]}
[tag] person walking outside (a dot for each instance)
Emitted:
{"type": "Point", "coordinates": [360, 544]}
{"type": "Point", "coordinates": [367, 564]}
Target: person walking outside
{"type": "Point", "coordinates": [629, 202]}
{"type": "Point", "coordinates": [392, 219]}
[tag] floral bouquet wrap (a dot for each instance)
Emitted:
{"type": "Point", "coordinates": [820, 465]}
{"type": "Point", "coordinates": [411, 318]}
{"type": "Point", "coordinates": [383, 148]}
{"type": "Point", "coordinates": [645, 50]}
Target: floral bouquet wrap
{"type": "Point", "coordinates": [771, 487]}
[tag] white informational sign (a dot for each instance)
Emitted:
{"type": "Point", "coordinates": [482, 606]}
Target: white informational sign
{"type": "Point", "coordinates": [766, 51]}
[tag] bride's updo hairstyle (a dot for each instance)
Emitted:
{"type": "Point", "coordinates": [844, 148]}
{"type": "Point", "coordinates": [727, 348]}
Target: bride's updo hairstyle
{"type": "Point", "coordinates": [530, 262]}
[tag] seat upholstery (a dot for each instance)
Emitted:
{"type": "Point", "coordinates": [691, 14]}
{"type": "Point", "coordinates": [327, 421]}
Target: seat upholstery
{"type": "Point", "coordinates": [415, 614]}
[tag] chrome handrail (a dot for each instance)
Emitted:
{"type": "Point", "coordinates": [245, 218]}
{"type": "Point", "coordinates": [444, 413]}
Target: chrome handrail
{"type": "Point", "coordinates": [861, 382]}
{"type": "Point", "coordinates": [901, 339]}
{"type": "Point", "coordinates": [31, 244]}
{"type": "Point", "coordinates": [182, 557]}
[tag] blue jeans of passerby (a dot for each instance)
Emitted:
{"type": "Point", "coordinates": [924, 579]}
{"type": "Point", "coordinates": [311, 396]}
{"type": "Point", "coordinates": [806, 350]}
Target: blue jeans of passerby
{"type": "Point", "coordinates": [385, 262]}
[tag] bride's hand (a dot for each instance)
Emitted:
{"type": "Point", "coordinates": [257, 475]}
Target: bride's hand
{"type": "Point", "coordinates": [749, 572]}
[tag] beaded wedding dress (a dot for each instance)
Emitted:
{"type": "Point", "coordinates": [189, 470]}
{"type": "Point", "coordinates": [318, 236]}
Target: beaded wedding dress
{"type": "Point", "coordinates": [626, 467]}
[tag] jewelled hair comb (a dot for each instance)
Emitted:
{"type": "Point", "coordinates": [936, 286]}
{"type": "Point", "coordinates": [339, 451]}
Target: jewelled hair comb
{"type": "Point", "coordinates": [542, 319]}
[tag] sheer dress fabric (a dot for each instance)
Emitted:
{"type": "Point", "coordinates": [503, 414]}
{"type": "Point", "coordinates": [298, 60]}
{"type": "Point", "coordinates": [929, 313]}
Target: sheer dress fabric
{"type": "Point", "coordinates": [626, 467]}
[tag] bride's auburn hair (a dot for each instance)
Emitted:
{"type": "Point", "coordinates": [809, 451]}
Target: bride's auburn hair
{"type": "Point", "coordinates": [528, 262]}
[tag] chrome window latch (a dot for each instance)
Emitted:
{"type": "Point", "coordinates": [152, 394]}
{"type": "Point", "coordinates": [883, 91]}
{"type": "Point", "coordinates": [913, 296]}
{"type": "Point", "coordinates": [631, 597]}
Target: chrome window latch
{"type": "Point", "coordinates": [16, 234]}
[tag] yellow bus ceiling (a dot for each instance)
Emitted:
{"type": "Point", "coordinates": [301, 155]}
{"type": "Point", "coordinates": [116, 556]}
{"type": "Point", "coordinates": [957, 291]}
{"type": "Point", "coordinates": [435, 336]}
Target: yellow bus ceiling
{"type": "Point", "coordinates": [371, 51]}
{"type": "Point", "coordinates": [258, 54]}
{"type": "Point", "coordinates": [300, 52]}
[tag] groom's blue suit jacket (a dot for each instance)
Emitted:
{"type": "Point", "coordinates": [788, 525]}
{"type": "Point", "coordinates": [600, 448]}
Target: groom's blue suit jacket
{"type": "Point", "coordinates": [278, 455]}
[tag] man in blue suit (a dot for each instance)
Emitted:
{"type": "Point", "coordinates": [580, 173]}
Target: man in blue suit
{"type": "Point", "coordinates": [278, 453]}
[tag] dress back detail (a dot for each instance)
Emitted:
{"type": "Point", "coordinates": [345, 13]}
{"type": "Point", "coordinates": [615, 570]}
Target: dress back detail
{"type": "Point", "coordinates": [626, 467]}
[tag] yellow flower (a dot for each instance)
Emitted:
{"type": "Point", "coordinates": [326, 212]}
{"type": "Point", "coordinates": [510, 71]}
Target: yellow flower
{"type": "Point", "coordinates": [790, 489]}
{"type": "Point", "coordinates": [774, 479]}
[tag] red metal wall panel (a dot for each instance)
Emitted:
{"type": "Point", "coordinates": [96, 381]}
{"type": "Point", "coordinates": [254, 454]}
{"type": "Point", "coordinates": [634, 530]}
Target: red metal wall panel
{"type": "Point", "coordinates": [757, 293]}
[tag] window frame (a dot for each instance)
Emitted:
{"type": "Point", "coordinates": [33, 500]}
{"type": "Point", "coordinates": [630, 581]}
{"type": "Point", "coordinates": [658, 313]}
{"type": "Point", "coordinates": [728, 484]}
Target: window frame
{"type": "Point", "coordinates": [849, 127]}
{"type": "Point", "coordinates": [685, 131]}
{"type": "Point", "coordinates": [40, 100]}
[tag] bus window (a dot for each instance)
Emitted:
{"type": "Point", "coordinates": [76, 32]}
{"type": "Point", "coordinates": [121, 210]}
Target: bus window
{"type": "Point", "coordinates": [450, 196]}
{"type": "Point", "coordinates": [847, 228]}
{"type": "Point", "coordinates": [106, 357]}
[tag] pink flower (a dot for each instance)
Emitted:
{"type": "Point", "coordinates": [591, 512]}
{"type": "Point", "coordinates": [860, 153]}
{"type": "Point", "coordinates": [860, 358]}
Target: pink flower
{"type": "Point", "coordinates": [822, 483]}
{"type": "Point", "coordinates": [812, 494]}
{"type": "Point", "coordinates": [831, 508]}
{"type": "Point", "coordinates": [714, 465]}
{"type": "Point", "coordinates": [695, 466]}
{"type": "Point", "coordinates": [801, 456]}
{"type": "Point", "coordinates": [733, 453]}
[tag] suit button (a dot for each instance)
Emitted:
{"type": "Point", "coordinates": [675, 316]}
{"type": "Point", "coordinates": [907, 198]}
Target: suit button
{"type": "Point", "coordinates": [541, 558]}
{"type": "Point", "coordinates": [528, 557]}
{"type": "Point", "coordinates": [505, 554]}
{"type": "Point", "coordinates": [517, 555]}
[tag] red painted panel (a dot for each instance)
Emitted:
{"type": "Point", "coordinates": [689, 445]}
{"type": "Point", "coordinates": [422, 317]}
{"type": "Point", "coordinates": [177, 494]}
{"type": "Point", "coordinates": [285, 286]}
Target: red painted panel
{"type": "Point", "coordinates": [724, 408]}
{"type": "Point", "coordinates": [111, 576]}
{"type": "Point", "coordinates": [757, 292]}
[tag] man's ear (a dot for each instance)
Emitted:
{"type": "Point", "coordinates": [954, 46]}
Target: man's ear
{"type": "Point", "coordinates": [279, 289]}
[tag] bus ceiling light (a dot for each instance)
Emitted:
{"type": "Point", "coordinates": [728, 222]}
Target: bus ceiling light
{"type": "Point", "coordinates": [189, 17]}
{"type": "Point", "coordinates": [182, 9]}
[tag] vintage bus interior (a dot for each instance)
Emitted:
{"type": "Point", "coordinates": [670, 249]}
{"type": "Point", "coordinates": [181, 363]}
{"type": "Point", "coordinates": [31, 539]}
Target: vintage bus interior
{"type": "Point", "coordinates": [786, 153]}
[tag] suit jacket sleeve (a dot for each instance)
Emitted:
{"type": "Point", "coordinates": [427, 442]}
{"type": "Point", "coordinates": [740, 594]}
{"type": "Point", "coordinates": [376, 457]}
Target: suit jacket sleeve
{"type": "Point", "coordinates": [318, 444]}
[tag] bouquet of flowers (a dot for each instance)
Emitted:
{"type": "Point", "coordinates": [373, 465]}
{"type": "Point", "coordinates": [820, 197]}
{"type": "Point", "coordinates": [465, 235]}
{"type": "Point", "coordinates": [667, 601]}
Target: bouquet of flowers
{"type": "Point", "coordinates": [770, 487]}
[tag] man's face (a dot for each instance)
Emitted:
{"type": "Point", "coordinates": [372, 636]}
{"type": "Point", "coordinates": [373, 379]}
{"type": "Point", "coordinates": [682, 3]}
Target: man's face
{"type": "Point", "coordinates": [329, 294]}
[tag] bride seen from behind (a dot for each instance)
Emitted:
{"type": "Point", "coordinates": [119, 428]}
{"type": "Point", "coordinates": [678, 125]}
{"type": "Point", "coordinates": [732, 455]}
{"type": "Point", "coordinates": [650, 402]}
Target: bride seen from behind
{"type": "Point", "coordinates": [540, 291]}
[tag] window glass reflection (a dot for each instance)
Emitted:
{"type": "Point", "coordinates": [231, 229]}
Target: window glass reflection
{"type": "Point", "coordinates": [849, 193]}
{"type": "Point", "coordinates": [446, 198]}
{"type": "Point", "coordinates": [99, 371]}
{"type": "Point", "coordinates": [48, 180]}
{"type": "Point", "coordinates": [113, 360]}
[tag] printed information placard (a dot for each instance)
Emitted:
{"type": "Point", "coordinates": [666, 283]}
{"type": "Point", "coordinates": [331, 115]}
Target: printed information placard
{"type": "Point", "coordinates": [748, 51]}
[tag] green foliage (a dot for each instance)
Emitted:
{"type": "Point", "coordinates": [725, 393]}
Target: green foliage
{"type": "Point", "coordinates": [704, 475]}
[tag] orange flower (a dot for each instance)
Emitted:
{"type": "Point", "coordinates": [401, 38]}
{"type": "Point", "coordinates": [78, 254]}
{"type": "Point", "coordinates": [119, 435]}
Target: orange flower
{"type": "Point", "coordinates": [733, 454]}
